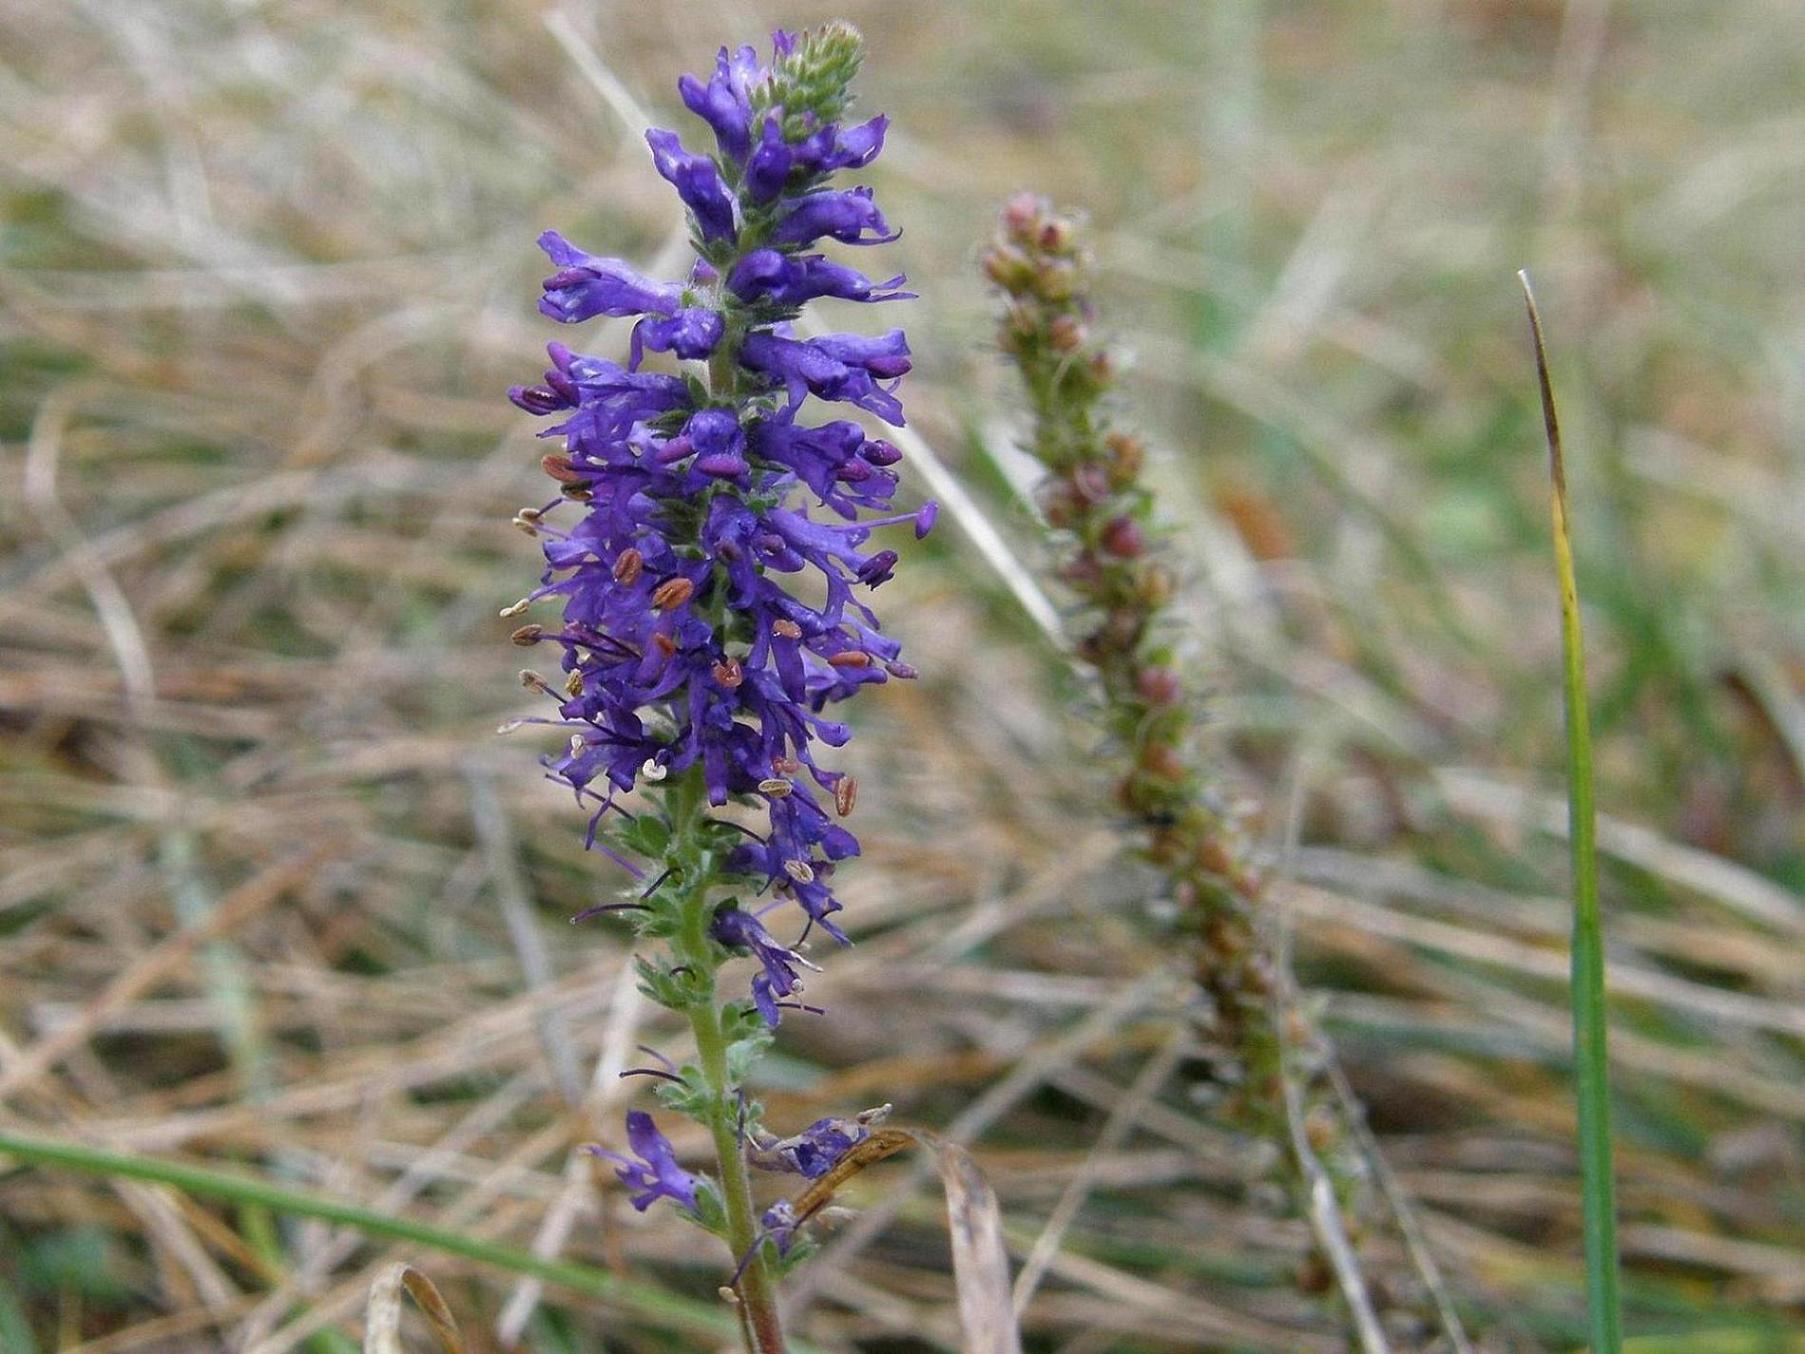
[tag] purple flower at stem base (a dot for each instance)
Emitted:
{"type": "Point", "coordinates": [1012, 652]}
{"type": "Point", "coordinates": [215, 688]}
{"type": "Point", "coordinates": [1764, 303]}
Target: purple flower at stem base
{"type": "Point", "coordinates": [654, 1172]}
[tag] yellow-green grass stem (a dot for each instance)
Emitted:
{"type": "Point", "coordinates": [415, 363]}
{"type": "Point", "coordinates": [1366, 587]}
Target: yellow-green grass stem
{"type": "Point", "coordinates": [1591, 1058]}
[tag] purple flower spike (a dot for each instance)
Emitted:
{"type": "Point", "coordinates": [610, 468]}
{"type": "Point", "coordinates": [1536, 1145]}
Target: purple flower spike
{"type": "Point", "coordinates": [710, 545]}
{"type": "Point", "coordinates": [654, 1172]}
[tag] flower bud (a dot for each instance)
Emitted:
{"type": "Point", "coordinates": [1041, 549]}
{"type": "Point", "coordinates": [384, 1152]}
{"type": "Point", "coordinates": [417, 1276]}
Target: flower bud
{"type": "Point", "coordinates": [1158, 686]}
{"type": "Point", "coordinates": [1123, 538]}
{"type": "Point", "coordinates": [1066, 333]}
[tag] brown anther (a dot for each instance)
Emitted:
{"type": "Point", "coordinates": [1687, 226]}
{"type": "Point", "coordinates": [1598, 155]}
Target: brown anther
{"type": "Point", "coordinates": [776, 787]}
{"type": "Point", "coordinates": [627, 566]}
{"type": "Point", "coordinates": [846, 794]}
{"type": "Point", "coordinates": [787, 629]}
{"type": "Point", "coordinates": [577, 493]}
{"type": "Point", "coordinates": [664, 643]}
{"type": "Point", "coordinates": [573, 684]}
{"type": "Point", "coordinates": [785, 766]}
{"type": "Point", "coordinates": [799, 870]}
{"type": "Point", "coordinates": [850, 658]}
{"type": "Point", "coordinates": [672, 593]}
{"type": "Point", "coordinates": [532, 681]}
{"type": "Point", "coordinates": [526, 526]}
{"type": "Point", "coordinates": [529, 514]}
{"type": "Point", "coordinates": [559, 467]}
{"type": "Point", "coordinates": [528, 635]}
{"type": "Point", "coordinates": [728, 673]}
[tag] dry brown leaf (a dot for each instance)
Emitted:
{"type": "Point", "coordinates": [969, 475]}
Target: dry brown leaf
{"type": "Point", "coordinates": [382, 1316]}
{"type": "Point", "coordinates": [974, 1221]}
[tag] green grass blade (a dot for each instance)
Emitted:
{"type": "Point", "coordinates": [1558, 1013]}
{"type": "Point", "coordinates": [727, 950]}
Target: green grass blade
{"type": "Point", "coordinates": [651, 1304]}
{"type": "Point", "coordinates": [1591, 1059]}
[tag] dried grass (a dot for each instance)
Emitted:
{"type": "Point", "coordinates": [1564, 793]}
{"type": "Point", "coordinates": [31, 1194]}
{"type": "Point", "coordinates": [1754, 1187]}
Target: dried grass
{"type": "Point", "coordinates": [272, 894]}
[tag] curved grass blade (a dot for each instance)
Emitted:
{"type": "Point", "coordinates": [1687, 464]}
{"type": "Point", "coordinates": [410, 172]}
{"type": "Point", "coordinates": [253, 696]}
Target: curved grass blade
{"type": "Point", "coordinates": [1591, 1061]}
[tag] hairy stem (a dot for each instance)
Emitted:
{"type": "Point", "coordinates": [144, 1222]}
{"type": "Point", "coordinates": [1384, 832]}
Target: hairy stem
{"type": "Point", "coordinates": [758, 1302]}
{"type": "Point", "coordinates": [757, 1292]}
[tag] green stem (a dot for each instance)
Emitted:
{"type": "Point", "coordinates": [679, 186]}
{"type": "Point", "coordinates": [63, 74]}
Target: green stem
{"type": "Point", "coordinates": [1591, 1056]}
{"type": "Point", "coordinates": [763, 1329]}
{"type": "Point", "coordinates": [639, 1300]}
{"type": "Point", "coordinates": [757, 1292]}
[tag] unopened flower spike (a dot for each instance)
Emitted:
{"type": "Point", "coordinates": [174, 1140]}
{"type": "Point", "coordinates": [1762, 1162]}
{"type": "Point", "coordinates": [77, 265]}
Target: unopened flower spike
{"type": "Point", "coordinates": [1100, 521]}
{"type": "Point", "coordinates": [698, 658]}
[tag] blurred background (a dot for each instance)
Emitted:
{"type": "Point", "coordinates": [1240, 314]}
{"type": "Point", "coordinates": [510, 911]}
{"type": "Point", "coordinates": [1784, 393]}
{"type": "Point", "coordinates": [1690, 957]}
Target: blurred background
{"type": "Point", "coordinates": [266, 270]}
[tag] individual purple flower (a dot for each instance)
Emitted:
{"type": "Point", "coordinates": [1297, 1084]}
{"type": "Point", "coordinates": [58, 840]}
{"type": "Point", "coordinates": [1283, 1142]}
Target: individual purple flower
{"type": "Point", "coordinates": [653, 1170]}
{"type": "Point", "coordinates": [841, 367]}
{"type": "Point", "coordinates": [795, 279]}
{"type": "Point", "coordinates": [698, 182]}
{"type": "Point", "coordinates": [779, 1224]}
{"type": "Point", "coordinates": [850, 216]}
{"type": "Point", "coordinates": [587, 285]}
{"type": "Point", "coordinates": [740, 930]}
{"type": "Point", "coordinates": [693, 332]}
{"type": "Point", "coordinates": [816, 1150]}
{"type": "Point", "coordinates": [725, 102]}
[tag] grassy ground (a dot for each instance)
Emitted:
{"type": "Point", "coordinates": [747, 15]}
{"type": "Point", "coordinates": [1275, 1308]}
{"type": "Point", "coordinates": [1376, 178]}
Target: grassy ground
{"type": "Point", "coordinates": [266, 269]}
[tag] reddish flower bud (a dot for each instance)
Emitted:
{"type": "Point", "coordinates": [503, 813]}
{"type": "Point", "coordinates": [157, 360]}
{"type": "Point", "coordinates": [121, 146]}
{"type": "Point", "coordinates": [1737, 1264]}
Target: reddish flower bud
{"type": "Point", "coordinates": [1124, 538]}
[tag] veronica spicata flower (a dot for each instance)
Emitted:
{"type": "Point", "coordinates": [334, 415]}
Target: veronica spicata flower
{"type": "Point", "coordinates": [711, 547]}
{"type": "Point", "coordinates": [684, 644]}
